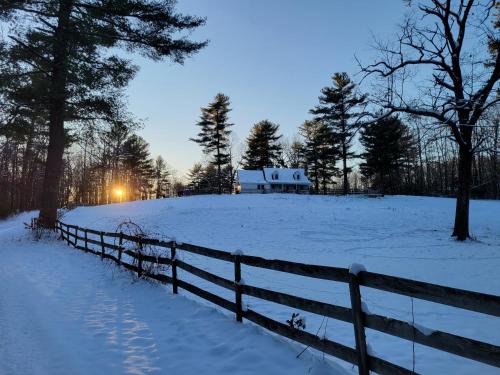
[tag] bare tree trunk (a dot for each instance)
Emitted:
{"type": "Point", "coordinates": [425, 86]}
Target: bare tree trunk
{"type": "Point", "coordinates": [461, 228]}
{"type": "Point", "coordinates": [13, 178]}
{"type": "Point", "coordinates": [344, 168]}
{"type": "Point", "coordinates": [57, 106]}
{"type": "Point", "coordinates": [219, 169]}
{"type": "Point", "coordinates": [494, 160]}
{"type": "Point", "coordinates": [27, 161]}
{"type": "Point", "coordinates": [104, 197]}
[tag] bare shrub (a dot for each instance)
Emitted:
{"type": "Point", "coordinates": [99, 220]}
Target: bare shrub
{"type": "Point", "coordinates": [129, 228]}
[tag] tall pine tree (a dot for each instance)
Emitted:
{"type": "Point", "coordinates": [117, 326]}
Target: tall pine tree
{"type": "Point", "coordinates": [214, 134]}
{"type": "Point", "coordinates": [337, 108]}
{"type": "Point", "coordinates": [139, 167]}
{"type": "Point", "coordinates": [263, 148]}
{"type": "Point", "coordinates": [319, 153]}
{"type": "Point", "coordinates": [69, 44]}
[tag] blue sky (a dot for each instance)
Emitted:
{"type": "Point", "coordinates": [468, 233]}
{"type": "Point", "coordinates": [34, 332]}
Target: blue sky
{"type": "Point", "coordinates": [271, 57]}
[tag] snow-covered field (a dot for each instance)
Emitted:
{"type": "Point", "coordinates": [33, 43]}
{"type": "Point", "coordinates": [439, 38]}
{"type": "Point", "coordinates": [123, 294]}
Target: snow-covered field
{"type": "Point", "coordinates": [63, 312]}
{"type": "Point", "coordinates": [403, 236]}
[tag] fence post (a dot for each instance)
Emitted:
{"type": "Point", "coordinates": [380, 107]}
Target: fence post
{"type": "Point", "coordinates": [237, 286]}
{"type": "Point", "coordinates": [102, 245]}
{"type": "Point", "coordinates": [120, 248]}
{"type": "Point", "coordinates": [357, 319]}
{"type": "Point", "coordinates": [86, 241]}
{"type": "Point", "coordinates": [59, 226]}
{"type": "Point", "coordinates": [67, 233]}
{"type": "Point", "coordinates": [139, 259]}
{"type": "Point", "coordinates": [173, 255]}
{"type": "Point", "coordinates": [76, 235]}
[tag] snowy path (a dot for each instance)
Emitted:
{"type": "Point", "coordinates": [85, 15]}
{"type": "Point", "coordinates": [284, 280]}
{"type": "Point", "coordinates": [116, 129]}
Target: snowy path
{"type": "Point", "coordinates": [65, 312]}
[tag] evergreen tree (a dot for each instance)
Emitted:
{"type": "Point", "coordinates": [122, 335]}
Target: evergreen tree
{"type": "Point", "coordinates": [337, 109]}
{"type": "Point", "coordinates": [161, 176]}
{"type": "Point", "coordinates": [214, 134]}
{"type": "Point", "coordinates": [139, 167]}
{"type": "Point", "coordinates": [69, 45]}
{"type": "Point", "coordinates": [387, 143]}
{"type": "Point", "coordinates": [195, 177]}
{"type": "Point", "coordinates": [319, 153]}
{"type": "Point", "coordinates": [263, 148]}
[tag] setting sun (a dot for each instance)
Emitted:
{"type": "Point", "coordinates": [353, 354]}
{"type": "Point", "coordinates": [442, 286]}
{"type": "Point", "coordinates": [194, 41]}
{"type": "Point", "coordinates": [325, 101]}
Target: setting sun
{"type": "Point", "coordinates": [119, 192]}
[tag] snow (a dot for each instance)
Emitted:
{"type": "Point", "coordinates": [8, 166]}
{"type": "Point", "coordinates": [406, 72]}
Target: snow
{"type": "Point", "coordinates": [365, 308]}
{"type": "Point", "coordinates": [66, 312]}
{"type": "Point", "coordinates": [401, 236]}
{"type": "Point", "coordinates": [237, 252]}
{"type": "Point", "coordinates": [251, 177]}
{"type": "Point", "coordinates": [426, 331]}
{"type": "Point", "coordinates": [356, 268]}
{"type": "Point", "coordinates": [398, 235]}
{"type": "Point", "coordinates": [286, 176]}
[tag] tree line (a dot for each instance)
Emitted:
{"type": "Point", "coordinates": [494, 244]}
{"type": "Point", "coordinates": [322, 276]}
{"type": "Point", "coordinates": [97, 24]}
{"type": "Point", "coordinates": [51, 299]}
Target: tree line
{"type": "Point", "coordinates": [394, 154]}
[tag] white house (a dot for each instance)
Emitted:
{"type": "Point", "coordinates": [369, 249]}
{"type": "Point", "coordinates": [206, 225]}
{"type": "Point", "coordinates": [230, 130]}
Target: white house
{"type": "Point", "coordinates": [272, 180]}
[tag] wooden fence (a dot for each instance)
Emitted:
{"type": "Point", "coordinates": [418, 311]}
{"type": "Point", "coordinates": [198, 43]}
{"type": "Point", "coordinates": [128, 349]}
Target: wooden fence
{"type": "Point", "coordinates": [359, 356]}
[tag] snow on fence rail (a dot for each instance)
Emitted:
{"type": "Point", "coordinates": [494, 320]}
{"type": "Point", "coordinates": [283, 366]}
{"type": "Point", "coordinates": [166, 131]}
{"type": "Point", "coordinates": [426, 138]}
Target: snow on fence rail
{"type": "Point", "coordinates": [461, 346]}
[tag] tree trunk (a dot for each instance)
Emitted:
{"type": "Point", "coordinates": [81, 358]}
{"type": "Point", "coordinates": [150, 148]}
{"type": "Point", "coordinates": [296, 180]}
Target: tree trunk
{"type": "Point", "coordinates": [27, 161]}
{"type": "Point", "coordinates": [461, 228]}
{"type": "Point", "coordinates": [316, 177]}
{"type": "Point", "coordinates": [57, 105]}
{"type": "Point", "coordinates": [344, 168]}
{"type": "Point", "coordinates": [494, 160]}
{"type": "Point", "coordinates": [219, 173]}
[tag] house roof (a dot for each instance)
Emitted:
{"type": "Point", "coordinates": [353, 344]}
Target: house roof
{"type": "Point", "coordinates": [251, 176]}
{"type": "Point", "coordinates": [294, 176]}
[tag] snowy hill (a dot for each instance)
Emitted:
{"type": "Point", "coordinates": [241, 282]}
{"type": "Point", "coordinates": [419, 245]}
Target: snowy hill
{"type": "Point", "coordinates": [403, 236]}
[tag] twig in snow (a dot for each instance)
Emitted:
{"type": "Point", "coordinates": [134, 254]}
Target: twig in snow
{"type": "Point", "coordinates": [317, 333]}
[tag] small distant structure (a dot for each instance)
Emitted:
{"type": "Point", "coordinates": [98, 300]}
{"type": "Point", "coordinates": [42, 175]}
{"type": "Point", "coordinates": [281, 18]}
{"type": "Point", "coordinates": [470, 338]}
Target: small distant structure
{"type": "Point", "coordinates": [272, 180]}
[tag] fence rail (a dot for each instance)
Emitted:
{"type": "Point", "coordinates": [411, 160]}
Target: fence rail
{"type": "Point", "coordinates": [454, 344]}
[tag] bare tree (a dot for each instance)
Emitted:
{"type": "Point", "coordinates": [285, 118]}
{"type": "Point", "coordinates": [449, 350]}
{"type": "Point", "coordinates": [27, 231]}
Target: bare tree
{"type": "Point", "coordinates": [451, 50]}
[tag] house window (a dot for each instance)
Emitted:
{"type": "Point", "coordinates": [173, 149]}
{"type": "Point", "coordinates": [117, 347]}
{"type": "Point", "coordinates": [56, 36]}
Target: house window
{"type": "Point", "coordinates": [275, 176]}
{"type": "Point", "coordinates": [296, 175]}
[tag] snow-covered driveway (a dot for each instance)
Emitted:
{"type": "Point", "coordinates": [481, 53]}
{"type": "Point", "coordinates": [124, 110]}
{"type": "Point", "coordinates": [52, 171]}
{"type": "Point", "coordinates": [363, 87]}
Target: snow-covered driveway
{"type": "Point", "coordinates": [65, 312]}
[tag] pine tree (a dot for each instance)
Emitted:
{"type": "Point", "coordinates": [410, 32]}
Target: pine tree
{"type": "Point", "coordinates": [195, 177]}
{"type": "Point", "coordinates": [387, 143]}
{"type": "Point", "coordinates": [263, 148]}
{"type": "Point", "coordinates": [214, 134]}
{"type": "Point", "coordinates": [139, 167]}
{"type": "Point", "coordinates": [337, 109]}
{"type": "Point", "coordinates": [69, 45]}
{"type": "Point", "coordinates": [319, 153]}
{"type": "Point", "coordinates": [161, 176]}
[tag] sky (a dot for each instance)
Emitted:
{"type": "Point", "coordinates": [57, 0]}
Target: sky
{"type": "Point", "coordinates": [271, 57]}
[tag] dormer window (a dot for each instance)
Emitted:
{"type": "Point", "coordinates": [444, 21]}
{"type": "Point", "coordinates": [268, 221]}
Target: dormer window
{"type": "Point", "coordinates": [296, 175]}
{"type": "Point", "coordinates": [275, 176]}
